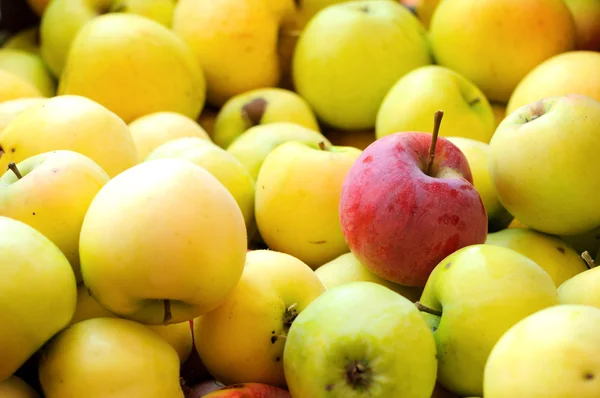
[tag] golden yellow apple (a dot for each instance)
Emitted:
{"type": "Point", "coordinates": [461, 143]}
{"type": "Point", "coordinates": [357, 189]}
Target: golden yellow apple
{"type": "Point", "coordinates": [30, 67]}
{"type": "Point", "coordinates": [15, 387]}
{"type": "Point", "coordinates": [587, 21]}
{"type": "Point", "coordinates": [12, 108]}
{"type": "Point", "coordinates": [14, 86]}
{"type": "Point", "coordinates": [499, 113]}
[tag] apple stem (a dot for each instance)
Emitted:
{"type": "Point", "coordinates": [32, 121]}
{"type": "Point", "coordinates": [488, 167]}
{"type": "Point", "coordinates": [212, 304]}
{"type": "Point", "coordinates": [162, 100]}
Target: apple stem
{"type": "Point", "coordinates": [437, 121]}
{"type": "Point", "coordinates": [424, 308]}
{"type": "Point", "coordinates": [289, 316]}
{"type": "Point", "coordinates": [322, 146]}
{"type": "Point", "coordinates": [168, 315]}
{"type": "Point", "coordinates": [588, 259]}
{"type": "Point", "coordinates": [13, 167]}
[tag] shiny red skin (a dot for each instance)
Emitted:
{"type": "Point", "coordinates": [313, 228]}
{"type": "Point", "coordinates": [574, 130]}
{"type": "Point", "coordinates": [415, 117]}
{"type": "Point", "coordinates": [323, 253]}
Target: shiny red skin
{"type": "Point", "coordinates": [249, 390]}
{"type": "Point", "coordinates": [400, 222]}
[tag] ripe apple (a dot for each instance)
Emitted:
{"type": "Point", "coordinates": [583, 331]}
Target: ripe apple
{"type": "Point", "coordinates": [307, 9]}
{"type": "Point", "coordinates": [425, 9]}
{"type": "Point", "coordinates": [15, 387]}
{"type": "Point", "coordinates": [346, 268]}
{"type": "Point", "coordinates": [218, 162]}
{"type": "Point", "coordinates": [73, 123]}
{"type": "Point", "coordinates": [163, 242]}
{"type": "Point", "coordinates": [201, 389]}
{"type": "Point", "coordinates": [37, 292]}
{"type": "Point", "coordinates": [567, 337]}
{"type": "Point", "coordinates": [298, 197]}
{"type": "Point", "coordinates": [236, 42]}
{"type": "Point", "coordinates": [589, 240]}
{"type": "Point", "coordinates": [563, 131]}
{"type": "Point", "coordinates": [151, 131]}
{"type": "Point", "coordinates": [583, 288]}
{"type": "Point", "coordinates": [475, 286]}
{"type": "Point", "coordinates": [477, 154]}
{"type": "Point", "coordinates": [133, 66]}
{"type": "Point", "coordinates": [14, 86]}
{"type": "Point", "coordinates": [105, 357]}
{"type": "Point", "coordinates": [412, 100]}
{"type": "Point", "coordinates": [261, 106]}
{"type": "Point", "coordinates": [587, 22]}
{"type": "Point", "coordinates": [63, 19]}
{"type": "Point", "coordinates": [249, 390]}
{"type": "Point", "coordinates": [243, 339]}
{"type": "Point", "coordinates": [329, 68]}
{"type": "Point", "coordinates": [409, 201]}
{"type": "Point", "coordinates": [360, 339]}
{"type": "Point", "coordinates": [27, 39]}
{"type": "Point", "coordinates": [252, 147]}
{"type": "Point", "coordinates": [52, 192]}
{"type": "Point", "coordinates": [499, 41]}
{"type": "Point", "coordinates": [550, 252]}
{"type": "Point", "coordinates": [573, 72]}
{"type": "Point", "coordinates": [9, 110]}
{"type": "Point", "coordinates": [30, 67]}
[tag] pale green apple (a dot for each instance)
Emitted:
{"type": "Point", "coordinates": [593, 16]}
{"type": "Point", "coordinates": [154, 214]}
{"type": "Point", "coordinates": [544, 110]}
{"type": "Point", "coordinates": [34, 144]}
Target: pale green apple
{"type": "Point", "coordinates": [52, 193]}
{"type": "Point", "coordinates": [589, 240]}
{"type": "Point", "coordinates": [539, 161]}
{"type": "Point", "coordinates": [471, 298]}
{"type": "Point", "coordinates": [9, 110]}
{"type": "Point", "coordinates": [360, 340]}
{"type": "Point", "coordinates": [349, 55]}
{"type": "Point", "coordinates": [416, 96]}
{"type": "Point", "coordinates": [134, 66]}
{"type": "Point", "coordinates": [218, 162]}
{"type": "Point", "coordinates": [297, 200]}
{"type": "Point", "coordinates": [63, 19]}
{"type": "Point", "coordinates": [552, 353]}
{"type": "Point", "coordinates": [15, 387]}
{"type": "Point", "coordinates": [38, 293]}
{"type": "Point", "coordinates": [30, 67]}
{"type": "Point", "coordinates": [346, 268]}
{"type": "Point", "coordinates": [307, 9]}
{"type": "Point", "coordinates": [27, 39]}
{"type": "Point", "coordinates": [252, 147]}
{"type": "Point", "coordinates": [583, 288]}
{"type": "Point", "coordinates": [477, 154]}
{"type": "Point", "coordinates": [260, 106]}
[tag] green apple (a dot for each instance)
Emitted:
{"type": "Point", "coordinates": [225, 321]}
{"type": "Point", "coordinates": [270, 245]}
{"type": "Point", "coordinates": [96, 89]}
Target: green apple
{"type": "Point", "coordinates": [551, 253]}
{"type": "Point", "coordinates": [9, 110]}
{"type": "Point", "coordinates": [37, 291]}
{"type": "Point", "coordinates": [589, 240]}
{"type": "Point", "coordinates": [307, 9]}
{"type": "Point", "coordinates": [109, 357]}
{"type": "Point", "coordinates": [477, 154]}
{"type": "Point", "coordinates": [329, 68]}
{"type": "Point", "coordinates": [30, 67]}
{"type": "Point", "coordinates": [63, 19]}
{"type": "Point", "coordinates": [360, 340]}
{"type": "Point", "coordinates": [346, 268]}
{"type": "Point", "coordinates": [151, 131]}
{"type": "Point", "coordinates": [218, 162]}
{"type": "Point", "coordinates": [260, 106]}
{"type": "Point", "coordinates": [416, 96]}
{"type": "Point", "coordinates": [561, 134]}
{"type": "Point", "coordinates": [244, 338]}
{"type": "Point", "coordinates": [572, 72]}
{"type": "Point", "coordinates": [163, 242]}
{"type": "Point", "coordinates": [69, 122]}
{"type": "Point", "coordinates": [552, 353]}
{"type": "Point", "coordinates": [51, 192]}
{"type": "Point", "coordinates": [499, 41]}
{"type": "Point", "coordinates": [297, 199]}
{"type": "Point", "coordinates": [27, 39]}
{"type": "Point", "coordinates": [133, 66]}
{"type": "Point", "coordinates": [15, 387]}
{"type": "Point", "coordinates": [14, 87]}
{"type": "Point", "coordinates": [252, 147]}
{"type": "Point", "coordinates": [471, 298]}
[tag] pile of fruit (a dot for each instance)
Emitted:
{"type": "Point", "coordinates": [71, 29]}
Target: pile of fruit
{"type": "Point", "coordinates": [300, 198]}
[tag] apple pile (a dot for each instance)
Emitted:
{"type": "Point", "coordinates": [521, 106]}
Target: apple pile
{"type": "Point", "coordinates": [300, 199]}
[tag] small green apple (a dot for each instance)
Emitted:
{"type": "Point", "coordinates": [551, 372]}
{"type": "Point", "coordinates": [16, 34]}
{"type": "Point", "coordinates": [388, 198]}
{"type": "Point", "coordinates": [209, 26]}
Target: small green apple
{"type": "Point", "coordinates": [30, 67]}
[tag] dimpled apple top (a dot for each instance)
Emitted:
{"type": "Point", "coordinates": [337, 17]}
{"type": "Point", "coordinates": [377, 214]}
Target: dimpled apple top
{"type": "Point", "coordinates": [400, 222]}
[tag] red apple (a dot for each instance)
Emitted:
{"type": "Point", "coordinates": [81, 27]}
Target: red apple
{"type": "Point", "coordinates": [249, 390]}
{"type": "Point", "coordinates": [402, 214]}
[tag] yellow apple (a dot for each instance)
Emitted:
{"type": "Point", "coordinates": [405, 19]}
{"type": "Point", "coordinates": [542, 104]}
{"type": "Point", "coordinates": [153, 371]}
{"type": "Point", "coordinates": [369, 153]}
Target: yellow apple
{"type": "Point", "coordinates": [346, 268]}
{"type": "Point", "coordinates": [349, 56]}
{"type": "Point", "coordinates": [37, 292]}
{"type": "Point", "coordinates": [109, 357]}
{"type": "Point", "coordinates": [14, 86]}
{"type": "Point", "coordinates": [15, 387]}
{"type": "Point", "coordinates": [588, 240]}
{"type": "Point", "coordinates": [416, 96]}
{"type": "Point", "coordinates": [499, 113]}
{"type": "Point", "coordinates": [162, 243]}
{"type": "Point", "coordinates": [307, 9]}
{"type": "Point", "coordinates": [72, 123]}
{"type": "Point", "coordinates": [218, 162]}
{"type": "Point", "coordinates": [12, 108]}
{"type": "Point", "coordinates": [52, 194]}
{"type": "Point", "coordinates": [554, 352]}
{"type": "Point", "coordinates": [27, 39]}
{"type": "Point", "coordinates": [573, 72]}
{"type": "Point", "coordinates": [499, 41]}
{"type": "Point", "coordinates": [587, 21]}
{"type": "Point", "coordinates": [549, 252]}
{"type": "Point", "coordinates": [133, 66]}
{"type": "Point", "coordinates": [297, 200]}
{"type": "Point", "coordinates": [30, 67]}
{"type": "Point", "coordinates": [236, 42]}
{"type": "Point", "coordinates": [260, 106]}
{"type": "Point", "coordinates": [477, 154]}
{"type": "Point", "coordinates": [425, 9]}
{"type": "Point", "coordinates": [252, 147]}
{"type": "Point", "coordinates": [356, 139]}
{"type": "Point", "coordinates": [583, 288]}
{"type": "Point", "coordinates": [153, 130]}
{"type": "Point", "coordinates": [243, 339]}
